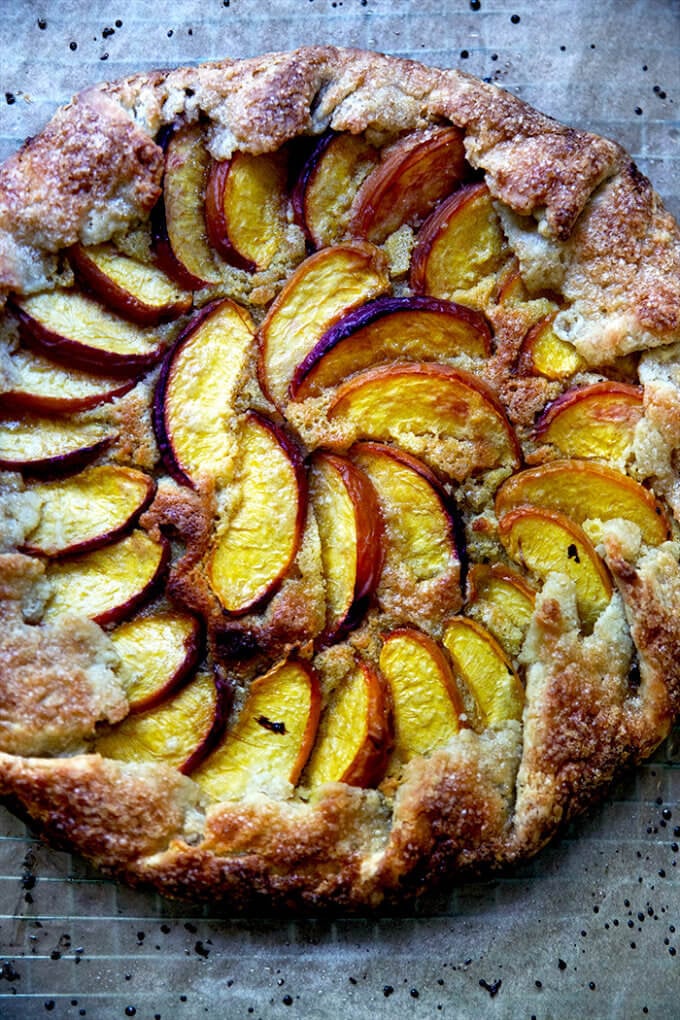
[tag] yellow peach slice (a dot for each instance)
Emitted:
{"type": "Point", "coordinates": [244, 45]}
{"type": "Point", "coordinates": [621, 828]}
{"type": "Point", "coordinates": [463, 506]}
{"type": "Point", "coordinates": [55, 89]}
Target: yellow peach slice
{"type": "Point", "coordinates": [38, 384]}
{"type": "Point", "coordinates": [194, 403]}
{"type": "Point", "coordinates": [350, 527]}
{"type": "Point", "coordinates": [156, 652]}
{"type": "Point", "coordinates": [484, 668]}
{"type": "Point", "coordinates": [254, 547]}
{"type": "Point", "coordinates": [391, 329]}
{"type": "Point", "coordinates": [175, 733]}
{"type": "Point", "coordinates": [511, 287]}
{"type": "Point", "coordinates": [543, 352]}
{"type": "Point", "coordinates": [415, 403]}
{"type": "Point", "coordinates": [329, 180]}
{"type": "Point", "coordinates": [245, 208]}
{"type": "Point", "coordinates": [74, 328]}
{"type": "Point", "coordinates": [88, 509]}
{"type": "Point", "coordinates": [354, 738]}
{"type": "Point", "coordinates": [178, 222]}
{"type": "Point", "coordinates": [136, 290]}
{"type": "Point", "coordinates": [460, 243]}
{"type": "Point", "coordinates": [414, 175]}
{"type": "Point", "coordinates": [41, 445]}
{"type": "Point", "coordinates": [427, 703]}
{"type": "Point", "coordinates": [109, 583]}
{"type": "Point", "coordinates": [325, 286]}
{"type": "Point", "coordinates": [422, 554]}
{"type": "Point", "coordinates": [545, 542]}
{"type": "Point", "coordinates": [592, 421]}
{"type": "Point", "coordinates": [585, 490]}
{"type": "Point", "coordinates": [503, 601]}
{"type": "Point", "coordinates": [270, 743]}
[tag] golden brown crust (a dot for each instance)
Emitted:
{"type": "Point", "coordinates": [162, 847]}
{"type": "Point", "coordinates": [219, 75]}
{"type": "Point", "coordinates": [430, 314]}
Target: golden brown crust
{"type": "Point", "coordinates": [113, 813]}
{"type": "Point", "coordinates": [88, 173]}
{"type": "Point", "coordinates": [534, 165]}
{"type": "Point", "coordinates": [567, 199]}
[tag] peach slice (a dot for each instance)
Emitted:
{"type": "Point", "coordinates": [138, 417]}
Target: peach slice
{"type": "Point", "coordinates": [271, 741]}
{"type": "Point", "coordinates": [157, 654]}
{"type": "Point", "coordinates": [177, 221]}
{"type": "Point", "coordinates": [503, 601]}
{"type": "Point", "coordinates": [543, 352]}
{"type": "Point", "coordinates": [511, 287]}
{"type": "Point", "coordinates": [136, 290]}
{"type": "Point", "coordinates": [40, 384]}
{"type": "Point", "coordinates": [546, 541]}
{"type": "Point", "coordinates": [350, 527]}
{"type": "Point", "coordinates": [194, 415]}
{"type": "Point", "coordinates": [423, 538]}
{"type": "Point", "coordinates": [419, 404]}
{"type": "Point", "coordinates": [414, 175]}
{"type": "Point", "coordinates": [326, 187]}
{"type": "Point", "coordinates": [245, 208]}
{"type": "Point", "coordinates": [325, 286]}
{"type": "Point", "coordinates": [355, 735]}
{"type": "Point", "coordinates": [50, 446]}
{"type": "Point", "coordinates": [460, 243]}
{"type": "Point", "coordinates": [592, 421]}
{"type": "Point", "coordinates": [427, 702]}
{"type": "Point", "coordinates": [110, 583]}
{"type": "Point", "coordinates": [75, 329]}
{"type": "Point", "coordinates": [179, 732]}
{"type": "Point", "coordinates": [89, 509]}
{"type": "Point", "coordinates": [482, 665]}
{"type": "Point", "coordinates": [585, 490]}
{"type": "Point", "coordinates": [391, 329]}
{"type": "Point", "coordinates": [254, 548]}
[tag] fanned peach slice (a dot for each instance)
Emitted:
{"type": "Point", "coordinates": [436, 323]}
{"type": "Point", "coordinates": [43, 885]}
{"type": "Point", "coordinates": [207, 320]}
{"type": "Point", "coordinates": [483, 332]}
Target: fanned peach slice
{"type": "Point", "coordinates": [546, 541]}
{"type": "Point", "coordinates": [423, 539]}
{"type": "Point", "coordinates": [134, 289]}
{"type": "Point", "coordinates": [245, 208]}
{"type": "Point", "coordinates": [482, 665]}
{"type": "Point", "coordinates": [157, 654]}
{"type": "Point", "coordinates": [416, 404]}
{"type": "Point", "coordinates": [326, 187]}
{"type": "Point", "coordinates": [77, 330]}
{"type": "Point", "coordinates": [355, 735]}
{"type": "Point", "coordinates": [511, 287]}
{"type": "Point", "coordinates": [89, 509]}
{"type": "Point", "coordinates": [269, 745]}
{"type": "Point", "coordinates": [350, 527]}
{"type": "Point", "coordinates": [46, 446]}
{"type": "Point", "coordinates": [585, 490]}
{"type": "Point", "coordinates": [254, 547]}
{"type": "Point", "coordinates": [194, 416]}
{"type": "Point", "coordinates": [415, 174]}
{"type": "Point", "coordinates": [503, 600]}
{"type": "Point", "coordinates": [179, 732]}
{"type": "Point", "coordinates": [543, 352]}
{"type": "Point", "coordinates": [592, 421]}
{"type": "Point", "coordinates": [427, 702]}
{"type": "Point", "coordinates": [110, 583]}
{"type": "Point", "coordinates": [178, 223]}
{"type": "Point", "coordinates": [325, 286]}
{"type": "Point", "coordinates": [40, 384]}
{"type": "Point", "coordinates": [460, 243]}
{"type": "Point", "coordinates": [391, 329]}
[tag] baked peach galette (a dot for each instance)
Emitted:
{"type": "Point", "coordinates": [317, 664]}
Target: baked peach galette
{"type": "Point", "coordinates": [339, 446]}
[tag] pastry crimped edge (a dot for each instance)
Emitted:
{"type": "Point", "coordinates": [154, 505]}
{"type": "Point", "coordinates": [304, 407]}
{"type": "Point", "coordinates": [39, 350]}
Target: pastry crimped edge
{"type": "Point", "coordinates": [582, 219]}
